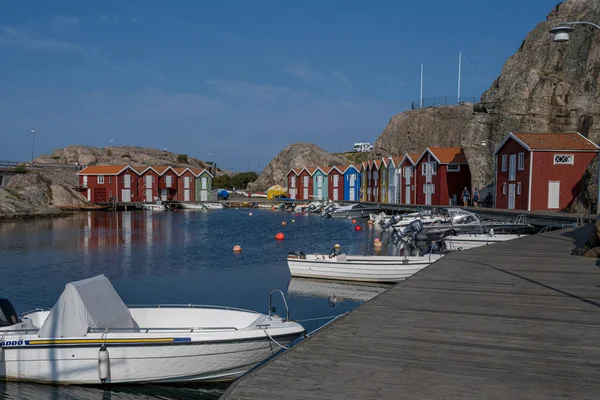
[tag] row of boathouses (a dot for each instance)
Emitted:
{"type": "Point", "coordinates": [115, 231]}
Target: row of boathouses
{"type": "Point", "coordinates": [534, 171]}
{"type": "Point", "coordinates": [126, 183]}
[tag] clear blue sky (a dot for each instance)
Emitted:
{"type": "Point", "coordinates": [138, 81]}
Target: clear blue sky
{"type": "Point", "coordinates": [233, 78]}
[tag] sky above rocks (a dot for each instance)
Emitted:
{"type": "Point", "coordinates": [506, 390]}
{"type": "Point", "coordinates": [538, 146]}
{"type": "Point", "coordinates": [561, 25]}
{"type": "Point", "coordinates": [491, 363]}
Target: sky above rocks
{"type": "Point", "coordinates": [236, 81]}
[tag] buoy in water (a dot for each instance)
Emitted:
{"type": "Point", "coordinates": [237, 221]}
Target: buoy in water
{"type": "Point", "coordinates": [250, 214]}
{"type": "Point", "coordinates": [353, 221]}
{"type": "Point", "coordinates": [103, 364]}
{"type": "Point", "coordinates": [293, 220]}
{"type": "Point", "coordinates": [377, 243]}
{"type": "Point", "coordinates": [237, 248]}
{"type": "Point", "coordinates": [280, 236]}
{"type": "Point", "coordinates": [297, 215]}
{"type": "Point", "coordinates": [357, 228]}
{"type": "Point", "coordinates": [284, 223]}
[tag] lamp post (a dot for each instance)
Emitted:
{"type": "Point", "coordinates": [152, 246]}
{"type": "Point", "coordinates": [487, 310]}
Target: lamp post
{"type": "Point", "coordinates": [560, 34]}
{"type": "Point", "coordinates": [485, 143]}
{"type": "Point", "coordinates": [32, 145]}
{"type": "Point", "coordinates": [248, 162]}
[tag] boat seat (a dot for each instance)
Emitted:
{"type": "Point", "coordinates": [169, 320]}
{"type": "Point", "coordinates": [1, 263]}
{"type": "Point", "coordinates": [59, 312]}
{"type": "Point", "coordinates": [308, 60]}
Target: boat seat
{"type": "Point", "coordinates": [341, 257]}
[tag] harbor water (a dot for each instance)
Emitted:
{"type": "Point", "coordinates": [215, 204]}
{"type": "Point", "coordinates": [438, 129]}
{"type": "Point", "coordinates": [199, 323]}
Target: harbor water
{"type": "Point", "coordinates": [180, 257]}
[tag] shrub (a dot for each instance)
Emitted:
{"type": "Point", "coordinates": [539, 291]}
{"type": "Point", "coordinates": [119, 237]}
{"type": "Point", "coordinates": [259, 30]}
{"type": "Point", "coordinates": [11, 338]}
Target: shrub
{"type": "Point", "coordinates": [109, 152]}
{"type": "Point", "coordinates": [55, 157]}
{"type": "Point", "coordinates": [21, 169]}
{"type": "Point", "coordinates": [125, 155]}
{"type": "Point", "coordinates": [182, 158]}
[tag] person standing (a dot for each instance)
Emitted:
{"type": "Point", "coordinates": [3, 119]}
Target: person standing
{"type": "Point", "coordinates": [475, 197]}
{"type": "Point", "coordinates": [465, 196]}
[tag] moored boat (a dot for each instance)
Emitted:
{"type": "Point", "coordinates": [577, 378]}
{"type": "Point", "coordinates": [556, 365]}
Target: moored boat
{"type": "Point", "coordinates": [466, 241]}
{"type": "Point", "coordinates": [383, 269]}
{"type": "Point", "coordinates": [194, 206]}
{"type": "Point", "coordinates": [90, 337]}
{"type": "Point", "coordinates": [158, 206]}
{"type": "Point", "coordinates": [214, 206]}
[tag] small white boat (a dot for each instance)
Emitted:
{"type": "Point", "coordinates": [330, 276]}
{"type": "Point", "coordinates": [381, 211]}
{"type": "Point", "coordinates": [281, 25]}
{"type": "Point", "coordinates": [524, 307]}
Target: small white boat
{"type": "Point", "coordinates": [194, 206]}
{"type": "Point", "coordinates": [214, 206]}
{"type": "Point", "coordinates": [91, 337]}
{"type": "Point", "coordinates": [358, 268]}
{"type": "Point", "coordinates": [471, 240]}
{"type": "Point", "coordinates": [154, 206]}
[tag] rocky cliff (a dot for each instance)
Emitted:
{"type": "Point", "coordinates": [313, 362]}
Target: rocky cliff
{"type": "Point", "coordinates": [544, 87]}
{"type": "Point", "coordinates": [86, 155]}
{"type": "Point", "coordinates": [39, 193]}
{"type": "Point", "coordinates": [297, 155]}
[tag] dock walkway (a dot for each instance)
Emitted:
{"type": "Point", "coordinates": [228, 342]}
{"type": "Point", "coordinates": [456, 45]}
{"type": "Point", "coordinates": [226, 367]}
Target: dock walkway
{"type": "Point", "coordinates": [516, 320]}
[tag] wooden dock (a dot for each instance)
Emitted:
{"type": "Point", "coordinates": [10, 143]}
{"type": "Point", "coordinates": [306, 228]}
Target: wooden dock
{"type": "Point", "coordinates": [516, 320]}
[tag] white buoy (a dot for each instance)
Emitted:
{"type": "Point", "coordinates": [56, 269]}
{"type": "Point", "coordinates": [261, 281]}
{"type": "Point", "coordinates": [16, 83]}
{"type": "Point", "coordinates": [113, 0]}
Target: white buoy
{"type": "Point", "coordinates": [103, 364]}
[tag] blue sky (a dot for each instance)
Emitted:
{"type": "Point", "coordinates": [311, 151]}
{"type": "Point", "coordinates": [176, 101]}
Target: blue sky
{"type": "Point", "coordinates": [233, 78]}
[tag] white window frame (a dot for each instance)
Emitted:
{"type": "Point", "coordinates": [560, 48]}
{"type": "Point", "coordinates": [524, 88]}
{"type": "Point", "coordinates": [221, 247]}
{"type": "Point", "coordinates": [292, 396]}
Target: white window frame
{"type": "Point", "coordinates": [100, 179]}
{"type": "Point", "coordinates": [518, 187]}
{"type": "Point", "coordinates": [570, 159]}
{"type": "Point", "coordinates": [521, 162]}
{"type": "Point", "coordinates": [454, 170]}
{"type": "Point", "coordinates": [153, 179]}
{"type": "Point", "coordinates": [110, 180]}
{"type": "Point", "coordinates": [504, 162]}
{"type": "Point", "coordinates": [504, 188]}
{"type": "Point", "coordinates": [110, 194]}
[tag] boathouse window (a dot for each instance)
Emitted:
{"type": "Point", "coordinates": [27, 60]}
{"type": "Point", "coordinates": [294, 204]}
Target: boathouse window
{"type": "Point", "coordinates": [504, 188]}
{"type": "Point", "coordinates": [168, 179]}
{"type": "Point", "coordinates": [518, 187]}
{"type": "Point", "coordinates": [521, 163]}
{"type": "Point", "coordinates": [153, 179]}
{"type": "Point", "coordinates": [110, 179]}
{"type": "Point", "coordinates": [453, 167]}
{"type": "Point", "coordinates": [293, 181]}
{"type": "Point", "coordinates": [110, 194]}
{"type": "Point", "coordinates": [504, 162]}
{"type": "Point", "coordinates": [100, 178]}
{"type": "Point", "coordinates": [563, 159]}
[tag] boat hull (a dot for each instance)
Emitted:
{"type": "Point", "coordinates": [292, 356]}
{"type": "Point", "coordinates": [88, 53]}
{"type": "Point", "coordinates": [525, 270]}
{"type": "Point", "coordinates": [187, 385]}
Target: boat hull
{"type": "Point", "coordinates": [466, 242]}
{"type": "Point", "coordinates": [359, 269]}
{"type": "Point", "coordinates": [182, 361]}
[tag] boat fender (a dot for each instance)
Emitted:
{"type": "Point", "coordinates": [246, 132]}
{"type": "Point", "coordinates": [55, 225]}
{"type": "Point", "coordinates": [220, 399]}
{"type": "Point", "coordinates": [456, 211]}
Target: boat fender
{"type": "Point", "coordinates": [103, 364]}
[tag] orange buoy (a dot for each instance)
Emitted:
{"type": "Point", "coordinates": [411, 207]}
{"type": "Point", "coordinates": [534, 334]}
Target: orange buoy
{"type": "Point", "coordinates": [237, 248]}
{"type": "Point", "coordinates": [353, 221]}
{"type": "Point", "coordinates": [377, 243]}
{"type": "Point", "coordinates": [357, 228]}
{"type": "Point", "coordinates": [280, 236]}
{"type": "Point", "coordinates": [284, 223]}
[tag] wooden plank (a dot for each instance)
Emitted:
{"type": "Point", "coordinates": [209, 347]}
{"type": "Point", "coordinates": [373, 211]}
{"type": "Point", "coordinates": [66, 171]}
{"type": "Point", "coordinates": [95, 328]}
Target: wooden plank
{"type": "Point", "coordinates": [514, 320]}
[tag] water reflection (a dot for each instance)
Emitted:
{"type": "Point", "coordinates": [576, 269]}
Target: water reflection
{"type": "Point", "coordinates": [174, 257]}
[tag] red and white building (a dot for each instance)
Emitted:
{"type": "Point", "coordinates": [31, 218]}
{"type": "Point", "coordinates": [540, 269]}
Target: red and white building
{"type": "Point", "coordinates": [541, 171]}
{"type": "Point", "coordinates": [335, 179]}
{"type": "Point", "coordinates": [407, 183]}
{"type": "Point", "coordinates": [102, 183]}
{"type": "Point", "coordinates": [147, 183]}
{"type": "Point", "coordinates": [184, 190]}
{"type": "Point", "coordinates": [441, 175]}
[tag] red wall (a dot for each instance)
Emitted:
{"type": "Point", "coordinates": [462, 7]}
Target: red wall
{"type": "Point", "coordinates": [162, 184]}
{"type": "Point", "coordinates": [180, 187]}
{"type": "Point", "coordinates": [521, 200]}
{"type": "Point", "coordinates": [403, 184]}
{"type": "Point", "coordinates": [142, 185]}
{"type": "Point", "coordinates": [300, 186]}
{"type": "Point", "coordinates": [454, 184]}
{"type": "Point", "coordinates": [121, 185]}
{"type": "Point", "coordinates": [100, 192]}
{"type": "Point", "coordinates": [569, 177]}
{"type": "Point", "coordinates": [340, 184]}
{"type": "Point", "coordinates": [435, 179]}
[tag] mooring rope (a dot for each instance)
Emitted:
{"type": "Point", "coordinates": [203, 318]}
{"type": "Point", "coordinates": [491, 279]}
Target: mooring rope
{"type": "Point", "coordinates": [324, 325]}
{"type": "Point", "coordinates": [333, 318]}
{"type": "Point", "coordinates": [275, 341]}
{"type": "Point", "coordinates": [318, 318]}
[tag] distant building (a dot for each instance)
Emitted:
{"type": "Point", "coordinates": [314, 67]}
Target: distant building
{"type": "Point", "coordinates": [541, 171]}
{"type": "Point", "coordinates": [441, 175]}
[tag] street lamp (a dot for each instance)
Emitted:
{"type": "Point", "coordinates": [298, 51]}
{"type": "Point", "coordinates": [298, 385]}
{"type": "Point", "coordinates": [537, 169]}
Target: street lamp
{"type": "Point", "coordinates": [248, 162]}
{"type": "Point", "coordinates": [32, 145]}
{"type": "Point", "coordinates": [485, 143]}
{"type": "Point", "coordinates": [560, 34]}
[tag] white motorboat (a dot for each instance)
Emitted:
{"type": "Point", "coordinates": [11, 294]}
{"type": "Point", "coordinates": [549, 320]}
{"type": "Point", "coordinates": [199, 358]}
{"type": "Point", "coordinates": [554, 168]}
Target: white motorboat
{"type": "Point", "coordinates": [158, 206]}
{"type": "Point", "coordinates": [215, 206]}
{"type": "Point", "coordinates": [468, 241]}
{"type": "Point", "coordinates": [358, 268]}
{"type": "Point", "coordinates": [194, 206]}
{"type": "Point", "coordinates": [90, 337]}
{"type": "Point", "coordinates": [335, 289]}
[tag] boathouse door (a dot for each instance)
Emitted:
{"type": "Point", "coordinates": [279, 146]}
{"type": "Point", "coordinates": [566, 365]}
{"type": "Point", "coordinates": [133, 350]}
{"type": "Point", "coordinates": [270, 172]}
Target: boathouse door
{"type": "Point", "coordinates": [305, 180]}
{"type": "Point", "coordinates": [352, 188]}
{"type": "Point", "coordinates": [511, 196]}
{"type": "Point", "coordinates": [553, 195]}
{"type": "Point", "coordinates": [336, 181]}
{"type": "Point", "coordinates": [126, 192]}
{"type": "Point", "coordinates": [204, 189]}
{"type": "Point", "coordinates": [319, 187]}
{"type": "Point", "coordinates": [407, 184]}
{"type": "Point", "coordinates": [428, 188]}
{"type": "Point", "coordinates": [148, 187]}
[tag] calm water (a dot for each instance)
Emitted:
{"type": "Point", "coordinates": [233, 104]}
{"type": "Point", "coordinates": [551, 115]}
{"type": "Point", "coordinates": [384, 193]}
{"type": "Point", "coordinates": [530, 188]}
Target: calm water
{"type": "Point", "coordinates": [175, 257]}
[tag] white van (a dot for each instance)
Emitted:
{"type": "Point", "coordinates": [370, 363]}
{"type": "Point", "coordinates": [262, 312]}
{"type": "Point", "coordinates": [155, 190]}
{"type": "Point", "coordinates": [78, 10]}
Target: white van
{"type": "Point", "coordinates": [362, 147]}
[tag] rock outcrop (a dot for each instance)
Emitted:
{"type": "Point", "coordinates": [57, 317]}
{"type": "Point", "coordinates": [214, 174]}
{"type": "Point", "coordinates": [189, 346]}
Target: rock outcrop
{"type": "Point", "coordinates": [544, 87]}
{"type": "Point", "coordinates": [297, 155]}
{"type": "Point", "coordinates": [40, 193]}
{"type": "Point", "coordinates": [86, 155]}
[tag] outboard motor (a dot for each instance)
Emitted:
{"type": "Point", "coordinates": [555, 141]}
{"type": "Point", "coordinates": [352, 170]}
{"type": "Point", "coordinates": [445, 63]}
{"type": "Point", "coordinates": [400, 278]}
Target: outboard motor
{"type": "Point", "coordinates": [413, 228]}
{"type": "Point", "coordinates": [393, 221]}
{"type": "Point", "coordinates": [8, 315]}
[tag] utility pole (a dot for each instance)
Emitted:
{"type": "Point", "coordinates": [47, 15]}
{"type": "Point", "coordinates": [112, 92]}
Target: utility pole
{"type": "Point", "coordinates": [421, 102]}
{"type": "Point", "coordinates": [459, 66]}
{"type": "Point", "coordinates": [32, 145]}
